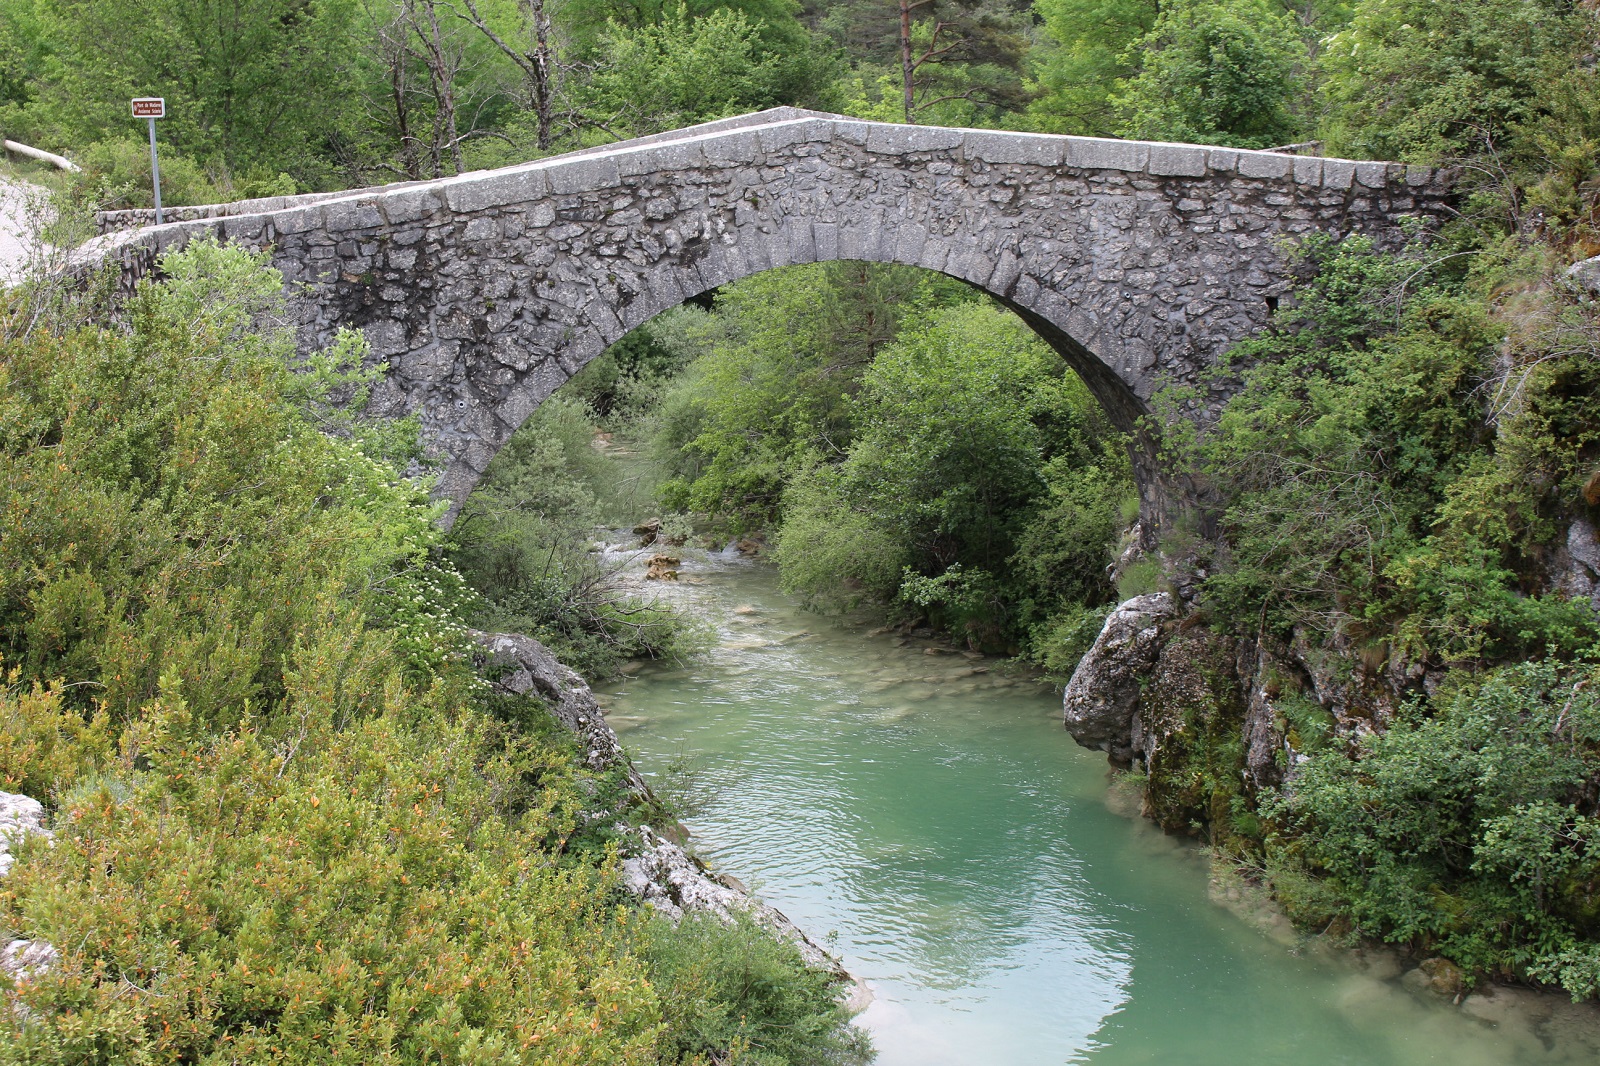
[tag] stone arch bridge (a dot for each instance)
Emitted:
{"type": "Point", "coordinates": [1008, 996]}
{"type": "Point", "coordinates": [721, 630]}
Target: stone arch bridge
{"type": "Point", "coordinates": [1140, 262]}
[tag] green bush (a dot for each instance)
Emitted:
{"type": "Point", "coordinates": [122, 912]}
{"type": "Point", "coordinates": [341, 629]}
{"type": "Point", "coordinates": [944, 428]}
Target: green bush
{"type": "Point", "coordinates": [735, 997]}
{"type": "Point", "coordinates": [523, 543]}
{"type": "Point", "coordinates": [1464, 832]}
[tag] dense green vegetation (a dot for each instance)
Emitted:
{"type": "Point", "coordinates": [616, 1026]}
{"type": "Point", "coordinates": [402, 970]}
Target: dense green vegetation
{"type": "Point", "coordinates": [291, 825]}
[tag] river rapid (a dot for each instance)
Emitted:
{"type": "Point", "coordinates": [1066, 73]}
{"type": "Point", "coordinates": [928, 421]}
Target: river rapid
{"type": "Point", "coordinates": [925, 813]}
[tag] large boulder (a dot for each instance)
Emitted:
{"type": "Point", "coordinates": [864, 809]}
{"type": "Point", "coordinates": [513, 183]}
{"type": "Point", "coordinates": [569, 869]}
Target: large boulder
{"type": "Point", "coordinates": [1102, 697]}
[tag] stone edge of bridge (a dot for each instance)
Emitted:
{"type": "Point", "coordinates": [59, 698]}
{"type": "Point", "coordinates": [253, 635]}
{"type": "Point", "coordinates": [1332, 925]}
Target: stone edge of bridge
{"type": "Point", "coordinates": [742, 141]}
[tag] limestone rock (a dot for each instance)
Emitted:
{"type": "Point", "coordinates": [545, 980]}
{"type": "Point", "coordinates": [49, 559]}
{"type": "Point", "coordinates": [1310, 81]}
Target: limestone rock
{"type": "Point", "coordinates": [1437, 975]}
{"type": "Point", "coordinates": [662, 567]}
{"type": "Point", "coordinates": [671, 880]}
{"type": "Point", "coordinates": [22, 960]}
{"type": "Point", "coordinates": [20, 816]}
{"type": "Point", "coordinates": [521, 666]}
{"type": "Point", "coordinates": [1586, 274]}
{"type": "Point", "coordinates": [1102, 697]}
{"type": "Point", "coordinates": [1575, 567]}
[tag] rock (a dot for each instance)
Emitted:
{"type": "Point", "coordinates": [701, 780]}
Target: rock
{"type": "Point", "coordinates": [750, 546]}
{"type": "Point", "coordinates": [20, 816]}
{"type": "Point", "coordinates": [1102, 697]}
{"type": "Point", "coordinates": [521, 666]}
{"type": "Point", "coordinates": [1575, 566]}
{"type": "Point", "coordinates": [1437, 975]}
{"type": "Point", "coordinates": [671, 880]}
{"type": "Point", "coordinates": [662, 568]}
{"type": "Point", "coordinates": [647, 531]}
{"type": "Point", "coordinates": [23, 960]}
{"type": "Point", "coordinates": [1586, 274]}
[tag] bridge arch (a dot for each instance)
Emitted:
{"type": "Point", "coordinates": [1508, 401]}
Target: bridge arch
{"type": "Point", "coordinates": [1141, 263]}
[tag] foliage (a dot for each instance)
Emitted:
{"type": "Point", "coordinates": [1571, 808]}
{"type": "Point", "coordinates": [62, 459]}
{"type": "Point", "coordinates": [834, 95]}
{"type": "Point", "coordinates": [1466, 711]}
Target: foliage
{"type": "Point", "coordinates": [1215, 73]}
{"type": "Point", "coordinates": [734, 998]}
{"type": "Point", "coordinates": [1468, 832]}
{"type": "Point", "coordinates": [252, 91]}
{"type": "Point", "coordinates": [523, 541]}
{"type": "Point", "coordinates": [767, 399]}
{"type": "Point", "coordinates": [981, 488]}
{"type": "Point", "coordinates": [1357, 430]}
{"type": "Point", "coordinates": [1088, 53]}
{"type": "Point", "coordinates": [1410, 79]}
{"type": "Point", "coordinates": [680, 71]}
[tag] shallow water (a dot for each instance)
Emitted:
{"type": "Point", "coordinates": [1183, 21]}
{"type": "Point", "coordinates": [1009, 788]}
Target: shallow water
{"type": "Point", "coordinates": [960, 852]}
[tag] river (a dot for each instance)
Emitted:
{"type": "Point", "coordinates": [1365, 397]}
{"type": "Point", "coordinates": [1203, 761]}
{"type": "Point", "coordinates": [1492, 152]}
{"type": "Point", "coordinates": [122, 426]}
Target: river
{"type": "Point", "coordinates": [926, 813]}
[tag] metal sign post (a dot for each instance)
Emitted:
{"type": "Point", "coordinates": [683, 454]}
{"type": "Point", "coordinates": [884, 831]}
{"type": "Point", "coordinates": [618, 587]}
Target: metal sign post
{"type": "Point", "coordinates": [152, 108]}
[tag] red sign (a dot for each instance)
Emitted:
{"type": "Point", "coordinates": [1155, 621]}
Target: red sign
{"type": "Point", "coordinates": [150, 107]}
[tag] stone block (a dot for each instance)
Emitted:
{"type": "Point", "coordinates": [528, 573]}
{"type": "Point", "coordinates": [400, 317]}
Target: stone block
{"type": "Point", "coordinates": [850, 131]}
{"type": "Point", "coordinates": [584, 174]}
{"type": "Point", "coordinates": [1102, 153]}
{"type": "Point", "coordinates": [801, 131]}
{"type": "Point", "coordinates": [1177, 160]}
{"type": "Point", "coordinates": [298, 219]}
{"type": "Point", "coordinates": [1307, 170]}
{"type": "Point", "coordinates": [481, 229]}
{"type": "Point", "coordinates": [661, 159]}
{"type": "Point", "coordinates": [736, 147]}
{"type": "Point", "coordinates": [1372, 175]}
{"type": "Point", "coordinates": [1338, 173]}
{"type": "Point", "coordinates": [1417, 176]}
{"type": "Point", "coordinates": [1264, 165]}
{"type": "Point", "coordinates": [825, 239]}
{"type": "Point", "coordinates": [1222, 159]}
{"type": "Point", "coordinates": [887, 139]}
{"type": "Point", "coordinates": [996, 146]}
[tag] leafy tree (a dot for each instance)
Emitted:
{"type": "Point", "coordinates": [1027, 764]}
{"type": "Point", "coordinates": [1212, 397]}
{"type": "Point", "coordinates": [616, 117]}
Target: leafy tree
{"type": "Point", "coordinates": [1408, 79]}
{"type": "Point", "coordinates": [1215, 73]}
{"type": "Point", "coordinates": [680, 71]}
{"type": "Point", "coordinates": [1085, 56]}
{"type": "Point", "coordinates": [965, 426]}
{"type": "Point", "coordinates": [262, 88]}
{"type": "Point", "coordinates": [768, 399]}
{"type": "Point", "coordinates": [933, 60]}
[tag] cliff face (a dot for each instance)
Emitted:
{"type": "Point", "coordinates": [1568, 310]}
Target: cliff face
{"type": "Point", "coordinates": [1209, 717]}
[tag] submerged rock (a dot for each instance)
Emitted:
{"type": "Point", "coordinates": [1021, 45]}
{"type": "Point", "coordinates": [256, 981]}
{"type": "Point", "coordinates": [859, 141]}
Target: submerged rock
{"type": "Point", "coordinates": [1102, 697]}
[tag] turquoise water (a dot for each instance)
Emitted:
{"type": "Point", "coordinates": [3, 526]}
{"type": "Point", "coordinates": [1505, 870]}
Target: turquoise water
{"type": "Point", "coordinates": [961, 854]}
